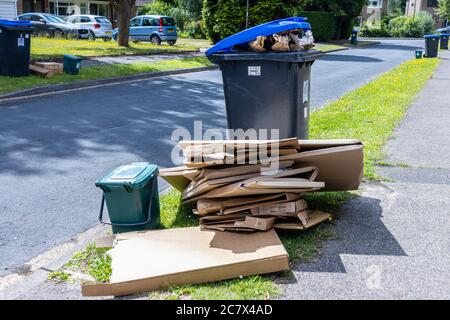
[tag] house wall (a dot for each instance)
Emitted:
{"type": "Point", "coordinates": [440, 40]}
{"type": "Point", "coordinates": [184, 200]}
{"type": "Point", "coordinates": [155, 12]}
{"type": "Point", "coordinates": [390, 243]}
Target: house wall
{"type": "Point", "coordinates": [8, 9]}
{"type": "Point", "coordinates": [415, 6]}
{"type": "Point", "coordinates": [372, 13]}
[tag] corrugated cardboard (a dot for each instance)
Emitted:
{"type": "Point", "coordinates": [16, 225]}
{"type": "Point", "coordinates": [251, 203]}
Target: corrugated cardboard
{"type": "Point", "coordinates": [341, 168]}
{"type": "Point", "coordinates": [286, 208]}
{"type": "Point", "coordinates": [239, 204]}
{"type": "Point", "coordinates": [271, 184]}
{"type": "Point", "coordinates": [313, 218]}
{"type": "Point", "coordinates": [248, 223]}
{"type": "Point", "coordinates": [308, 145]}
{"type": "Point", "coordinates": [151, 260]}
{"type": "Point", "coordinates": [53, 67]}
{"type": "Point", "coordinates": [239, 144]}
{"type": "Point", "coordinates": [179, 177]}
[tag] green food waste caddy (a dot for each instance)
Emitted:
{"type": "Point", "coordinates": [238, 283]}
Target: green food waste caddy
{"type": "Point", "coordinates": [131, 196]}
{"type": "Point", "coordinates": [72, 64]}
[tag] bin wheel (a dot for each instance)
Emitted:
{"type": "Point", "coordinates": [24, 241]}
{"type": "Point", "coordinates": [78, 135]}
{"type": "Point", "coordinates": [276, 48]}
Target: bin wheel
{"type": "Point", "coordinates": [91, 36]}
{"type": "Point", "coordinates": [171, 42]}
{"type": "Point", "coordinates": [154, 39]}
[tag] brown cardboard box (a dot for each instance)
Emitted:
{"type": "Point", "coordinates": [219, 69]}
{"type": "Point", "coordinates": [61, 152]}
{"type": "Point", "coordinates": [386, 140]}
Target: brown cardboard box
{"type": "Point", "coordinates": [53, 67]}
{"type": "Point", "coordinates": [151, 260]}
{"type": "Point", "coordinates": [280, 209]}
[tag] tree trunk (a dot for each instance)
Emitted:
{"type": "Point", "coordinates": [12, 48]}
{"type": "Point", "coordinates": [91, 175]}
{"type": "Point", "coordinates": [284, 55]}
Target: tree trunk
{"type": "Point", "coordinates": [124, 22]}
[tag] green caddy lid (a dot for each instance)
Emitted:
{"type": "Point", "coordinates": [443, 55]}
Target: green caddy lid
{"type": "Point", "coordinates": [134, 175]}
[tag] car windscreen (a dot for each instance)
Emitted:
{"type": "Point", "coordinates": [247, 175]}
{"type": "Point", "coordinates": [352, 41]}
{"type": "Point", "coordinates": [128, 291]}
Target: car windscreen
{"type": "Point", "coordinates": [56, 19]}
{"type": "Point", "coordinates": [167, 21]}
{"type": "Point", "coordinates": [102, 20]}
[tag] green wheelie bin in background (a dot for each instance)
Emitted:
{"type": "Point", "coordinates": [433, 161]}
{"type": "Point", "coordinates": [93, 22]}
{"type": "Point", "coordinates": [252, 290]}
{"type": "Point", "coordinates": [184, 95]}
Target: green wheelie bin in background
{"type": "Point", "coordinates": [72, 64]}
{"type": "Point", "coordinates": [132, 197]}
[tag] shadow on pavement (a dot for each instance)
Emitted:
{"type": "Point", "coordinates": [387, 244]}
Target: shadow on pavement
{"type": "Point", "coordinates": [349, 57]}
{"type": "Point", "coordinates": [385, 46]}
{"type": "Point", "coordinates": [359, 232]}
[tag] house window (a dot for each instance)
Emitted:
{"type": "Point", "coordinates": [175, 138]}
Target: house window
{"type": "Point", "coordinates": [98, 8]}
{"type": "Point", "coordinates": [83, 8]}
{"type": "Point", "coordinates": [62, 8]}
{"type": "Point", "coordinates": [432, 3]}
{"type": "Point", "coordinates": [374, 3]}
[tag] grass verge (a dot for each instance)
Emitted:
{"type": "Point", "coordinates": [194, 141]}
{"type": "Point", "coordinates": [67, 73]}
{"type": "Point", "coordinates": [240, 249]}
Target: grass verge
{"type": "Point", "coordinates": [8, 84]}
{"type": "Point", "coordinates": [371, 112]}
{"type": "Point", "coordinates": [327, 47]}
{"type": "Point", "coordinates": [47, 48]}
{"type": "Point", "coordinates": [368, 113]}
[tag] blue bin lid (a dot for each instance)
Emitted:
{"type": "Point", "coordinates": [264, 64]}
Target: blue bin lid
{"type": "Point", "coordinates": [265, 29]}
{"type": "Point", "coordinates": [432, 36]}
{"type": "Point", "coordinates": [14, 23]}
{"type": "Point", "coordinates": [134, 175]}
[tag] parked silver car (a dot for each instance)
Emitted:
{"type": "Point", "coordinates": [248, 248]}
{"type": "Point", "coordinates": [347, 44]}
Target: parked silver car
{"type": "Point", "coordinates": [45, 24]}
{"type": "Point", "coordinates": [98, 26]}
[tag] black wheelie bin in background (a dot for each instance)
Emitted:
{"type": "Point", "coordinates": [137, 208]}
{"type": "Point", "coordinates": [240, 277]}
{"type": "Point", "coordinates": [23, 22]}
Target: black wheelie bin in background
{"type": "Point", "coordinates": [431, 45]}
{"type": "Point", "coordinates": [15, 37]}
{"type": "Point", "coordinates": [444, 41]}
{"type": "Point", "coordinates": [266, 90]}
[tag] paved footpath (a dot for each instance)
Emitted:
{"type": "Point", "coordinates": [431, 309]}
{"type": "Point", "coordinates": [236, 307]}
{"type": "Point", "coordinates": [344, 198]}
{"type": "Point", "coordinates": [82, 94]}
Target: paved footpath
{"type": "Point", "coordinates": [393, 241]}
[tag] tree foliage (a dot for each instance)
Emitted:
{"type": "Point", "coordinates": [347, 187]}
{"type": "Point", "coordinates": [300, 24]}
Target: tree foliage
{"type": "Point", "coordinates": [443, 9]}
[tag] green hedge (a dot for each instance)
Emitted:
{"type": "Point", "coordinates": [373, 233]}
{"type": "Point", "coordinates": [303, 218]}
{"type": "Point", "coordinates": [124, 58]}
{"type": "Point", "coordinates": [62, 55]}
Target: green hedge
{"type": "Point", "coordinates": [323, 24]}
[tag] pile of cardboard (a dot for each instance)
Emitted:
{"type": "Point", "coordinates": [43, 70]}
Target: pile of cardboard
{"type": "Point", "coordinates": [244, 185]}
{"type": "Point", "coordinates": [46, 69]}
{"type": "Point", "coordinates": [238, 186]}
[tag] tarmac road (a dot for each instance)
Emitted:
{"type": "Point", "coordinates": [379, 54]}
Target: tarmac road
{"type": "Point", "coordinates": [53, 148]}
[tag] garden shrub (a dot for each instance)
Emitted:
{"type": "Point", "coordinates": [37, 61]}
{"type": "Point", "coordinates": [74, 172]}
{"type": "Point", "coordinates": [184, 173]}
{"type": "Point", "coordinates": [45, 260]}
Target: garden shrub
{"type": "Point", "coordinates": [323, 24]}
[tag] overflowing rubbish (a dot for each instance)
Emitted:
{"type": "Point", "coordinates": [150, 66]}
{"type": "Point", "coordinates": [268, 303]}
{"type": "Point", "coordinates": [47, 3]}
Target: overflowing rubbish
{"type": "Point", "coordinates": [283, 42]}
{"type": "Point", "coordinates": [290, 34]}
{"type": "Point", "coordinates": [244, 185]}
{"type": "Point", "coordinates": [243, 190]}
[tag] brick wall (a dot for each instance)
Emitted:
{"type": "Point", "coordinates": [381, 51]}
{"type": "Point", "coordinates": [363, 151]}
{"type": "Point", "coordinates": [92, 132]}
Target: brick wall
{"type": "Point", "coordinates": [19, 7]}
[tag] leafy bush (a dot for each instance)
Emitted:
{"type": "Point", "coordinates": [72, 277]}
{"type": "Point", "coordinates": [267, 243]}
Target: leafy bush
{"type": "Point", "coordinates": [426, 22]}
{"type": "Point", "coordinates": [229, 18]}
{"type": "Point", "coordinates": [156, 7]}
{"type": "Point", "coordinates": [223, 18]}
{"type": "Point", "coordinates": [323, 24]}
{"type": "Point", "coordinates": [417, 26]}
{"type": "Point", "coordinates": [401, 26]}
{"type": "Point", "coordinates": [396, 26]}
{"type": "Point", "coordinates": [373, 29]}
{"type": "Point", "coordinates": [186, 13]}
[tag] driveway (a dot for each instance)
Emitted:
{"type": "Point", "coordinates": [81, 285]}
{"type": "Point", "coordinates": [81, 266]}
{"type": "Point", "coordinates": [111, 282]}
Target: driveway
{"type": "Point", "coordinates": [53, 148]}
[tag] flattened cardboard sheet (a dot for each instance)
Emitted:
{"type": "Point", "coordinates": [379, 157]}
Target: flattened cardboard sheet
{"type": "Point", "coordinates": [314, 218]}
{"type": "Point", "coordinates": [154, 259]}
{"type": "Point", "coordinates": [341, 168]}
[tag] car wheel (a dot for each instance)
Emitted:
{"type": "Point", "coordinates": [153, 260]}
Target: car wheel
{"type": "Point", "coordinates": [154, 39]}
{"type": "Point", "coordinates": [58, 34]}
{"type": "Point", "coordinates": [171, 42]}
{"type": "Point", "coordinates": [91, 36]}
